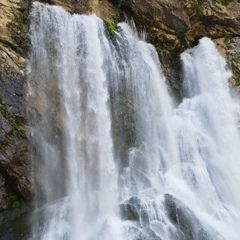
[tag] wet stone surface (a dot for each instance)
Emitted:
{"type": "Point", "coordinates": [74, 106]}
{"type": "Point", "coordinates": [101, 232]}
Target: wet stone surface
{"type": "Point", "coordinates": [14, 162]}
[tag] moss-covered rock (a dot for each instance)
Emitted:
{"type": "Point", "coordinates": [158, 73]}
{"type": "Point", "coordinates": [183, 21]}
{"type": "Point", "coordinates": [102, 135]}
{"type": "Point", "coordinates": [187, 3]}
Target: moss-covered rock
{"type": "Point", "coordinates": [111, 27]}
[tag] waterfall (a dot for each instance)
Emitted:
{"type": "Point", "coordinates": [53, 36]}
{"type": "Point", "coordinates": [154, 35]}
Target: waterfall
{"type": "Point", "coordinates": [114, 157]}
{"type": "Point", "coordinates": [70, 116]}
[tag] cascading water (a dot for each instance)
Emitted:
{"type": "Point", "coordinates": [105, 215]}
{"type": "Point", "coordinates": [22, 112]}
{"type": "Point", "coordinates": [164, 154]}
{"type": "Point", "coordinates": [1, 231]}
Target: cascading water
{"type": "Point", "coordinates": [68, 87]}
{"type": "Point", "coordinates": [114, 156]}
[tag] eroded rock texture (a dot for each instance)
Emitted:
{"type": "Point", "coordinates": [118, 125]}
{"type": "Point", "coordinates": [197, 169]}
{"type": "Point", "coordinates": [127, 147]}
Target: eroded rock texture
{"type": "Point", "coordinates": [177, 24]}
{"type": "Point", "coordinates": [10, 59]}
{"type": "Point", "coordinates": [171, 25]}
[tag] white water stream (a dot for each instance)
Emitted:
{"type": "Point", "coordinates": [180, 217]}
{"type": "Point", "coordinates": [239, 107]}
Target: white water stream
{"type": "Point", "coordinates": [113, 156]}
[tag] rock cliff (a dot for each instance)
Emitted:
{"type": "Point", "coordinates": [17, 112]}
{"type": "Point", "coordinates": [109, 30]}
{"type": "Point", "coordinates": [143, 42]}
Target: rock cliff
{"type": "Point", "coordinates": [171, 25]}
{"type": "Point", "coordinates": [14, 164]}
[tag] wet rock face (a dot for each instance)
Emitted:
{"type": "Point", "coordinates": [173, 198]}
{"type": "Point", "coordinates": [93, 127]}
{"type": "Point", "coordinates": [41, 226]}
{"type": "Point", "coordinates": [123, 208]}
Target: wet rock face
{"type": "Point", "coordinates": [142, 234]}
{"type": "Point", "coordinates": [184, 220]}
{"type": "Point", "coordinates": [3, 195]}
{"type": "Point", "coordinates": [14, 163]}
{"type": "Point", "coordinates": [16, 225]}
{"type": "Point", "coordinates": [134, 209]}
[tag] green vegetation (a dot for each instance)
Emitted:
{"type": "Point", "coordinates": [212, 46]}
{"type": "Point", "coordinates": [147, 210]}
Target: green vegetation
{"type": "Point", "coordinates": [21, 133]}
{"type": "Point", "coordinates": [199, 10]}
{"type": "Point", "coordinates": [227, 42]}
{"type": "Point", "coordinates": [18, 26]}
{"type": "Point", "coordinates": [223, 2]}
{"type": "Point", "coordinates": [5, 112]}
{"type": "Point", "coordinates": [14, 201]}
{"type": "Point", "coordinates": [160, 50]}
{"type": "Point", "coordinates": [111, 27]}
{"type": "Point", "coordinates": [237, 81]}
{"type": "Point", "coordinates": [16, 122]}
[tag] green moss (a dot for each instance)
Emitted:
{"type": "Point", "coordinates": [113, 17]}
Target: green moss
{"type": "Point", "coordinates": [13, 201]}
{"type": "Point", "coordinates": [199, 9]}
{"type": "Point", "coordinates": [16, 122]}
{"type": "Point", "coordinates": [160, 50]}
{"type": "Point", "coordinates": [16, 204]}
{"type": "Point", "coordinates": [237, 81]}
{"type": "Point", "coordinates": [5, 112]}
{"type": "Point", "coordinates": [21, 133]}
{"type": "Point", "coordinates": [186, 42]}
{"type": "Point", "coordinates": [111, 27]}
{"type": "Point", "coordinates": [223, 2]}
{"type": "Point", "coordinates": [227, 42]}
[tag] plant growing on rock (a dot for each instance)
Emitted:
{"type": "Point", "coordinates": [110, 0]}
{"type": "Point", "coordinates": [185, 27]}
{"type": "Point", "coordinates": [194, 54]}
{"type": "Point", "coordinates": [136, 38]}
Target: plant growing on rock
{"type": "Point", "coordinates": [223, 2]}
{"type": "Point", "coordinates": [16, 122]}
{"type": "Point", "coordinates": [111, 27]}
{"type": "Point", "coordinates": [14, 202]}
{"type": "Point", "coordinates": [160, 50]}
